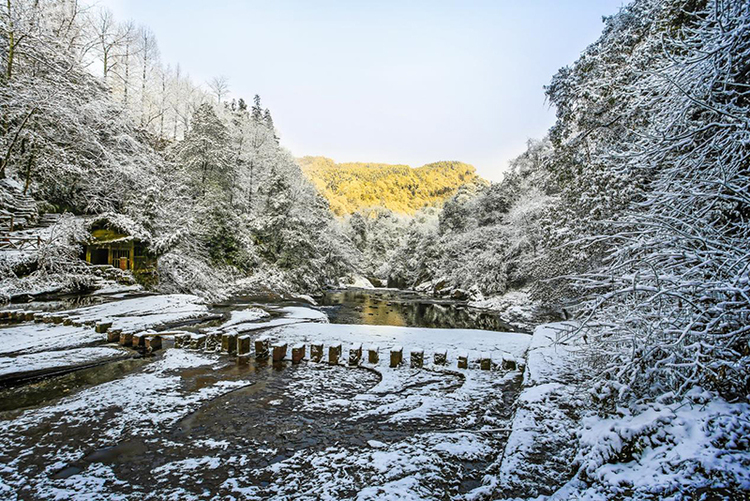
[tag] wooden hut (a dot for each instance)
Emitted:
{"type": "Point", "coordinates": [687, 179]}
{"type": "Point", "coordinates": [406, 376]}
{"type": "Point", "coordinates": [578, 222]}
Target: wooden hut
{"type": "Point", "coordinates": [111, 243]}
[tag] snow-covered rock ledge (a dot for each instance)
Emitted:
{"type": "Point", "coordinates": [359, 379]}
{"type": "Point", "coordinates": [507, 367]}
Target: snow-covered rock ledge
{"type": "Point", "coordinates": [560, 447]}
{"type": "Point", "coordinates": [541, 446]}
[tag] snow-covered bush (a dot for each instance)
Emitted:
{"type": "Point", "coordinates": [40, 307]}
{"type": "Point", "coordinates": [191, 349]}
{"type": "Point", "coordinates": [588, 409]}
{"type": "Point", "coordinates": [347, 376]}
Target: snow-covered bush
{"type": "Point", "coordinates": [658, 197]}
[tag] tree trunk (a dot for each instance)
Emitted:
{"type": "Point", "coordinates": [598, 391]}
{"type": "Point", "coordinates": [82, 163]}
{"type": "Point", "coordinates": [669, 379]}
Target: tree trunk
{"type": "Point", "coordinates": [11, 44]}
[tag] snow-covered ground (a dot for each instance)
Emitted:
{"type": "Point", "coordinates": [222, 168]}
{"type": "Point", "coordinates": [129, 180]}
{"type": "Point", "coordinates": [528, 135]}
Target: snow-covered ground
{"type": "Point", "coordinates": [33, 362]}
{"type": "Point", "coordinates": [143, 313]}
{"type": "Point", "coordinates": [195, 425]}
{"type": "Point", "coordinates": [32, 337]}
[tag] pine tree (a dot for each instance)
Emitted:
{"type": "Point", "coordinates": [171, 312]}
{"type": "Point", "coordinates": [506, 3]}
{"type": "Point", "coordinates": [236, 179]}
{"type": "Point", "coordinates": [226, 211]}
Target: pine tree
{"type": "Point", "coordinates": [257, 111]}
{"type": "Point", "coordinates": [205, 153]}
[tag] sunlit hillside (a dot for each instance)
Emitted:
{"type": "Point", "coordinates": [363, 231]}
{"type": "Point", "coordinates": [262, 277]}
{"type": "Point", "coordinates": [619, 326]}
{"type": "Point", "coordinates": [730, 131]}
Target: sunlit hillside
{"type": "Point", "coordinates": [400, 188]}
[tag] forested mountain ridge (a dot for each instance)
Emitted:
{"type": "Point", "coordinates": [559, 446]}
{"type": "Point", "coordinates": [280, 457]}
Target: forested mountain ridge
{"type": "Point", "coordinates": [352, 186]}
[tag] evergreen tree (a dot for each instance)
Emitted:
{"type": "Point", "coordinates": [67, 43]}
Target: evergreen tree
{"type": "Point", "coordinates": [204, 153]}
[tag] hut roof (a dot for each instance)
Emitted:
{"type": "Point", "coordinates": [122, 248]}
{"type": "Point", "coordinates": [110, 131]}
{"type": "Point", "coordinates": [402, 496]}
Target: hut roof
{"type": "Point", "coordinates": [112, 227]}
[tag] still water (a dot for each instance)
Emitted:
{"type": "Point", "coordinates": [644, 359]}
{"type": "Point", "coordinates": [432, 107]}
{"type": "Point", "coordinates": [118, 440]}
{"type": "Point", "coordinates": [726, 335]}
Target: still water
{"type": "Point", "coordinates": [407, 309]}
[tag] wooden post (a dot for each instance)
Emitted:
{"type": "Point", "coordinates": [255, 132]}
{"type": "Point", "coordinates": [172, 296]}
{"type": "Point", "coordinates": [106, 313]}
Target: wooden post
{"type": "Point", "coordinates": [397, 355]}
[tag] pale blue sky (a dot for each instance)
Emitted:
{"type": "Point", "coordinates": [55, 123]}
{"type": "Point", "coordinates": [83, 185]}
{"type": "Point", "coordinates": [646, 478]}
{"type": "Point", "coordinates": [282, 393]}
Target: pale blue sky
{"type": "Point", "coordinates": [387, 81]}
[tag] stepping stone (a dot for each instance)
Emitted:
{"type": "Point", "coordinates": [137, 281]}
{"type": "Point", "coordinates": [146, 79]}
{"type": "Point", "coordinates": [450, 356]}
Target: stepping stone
{"type": "Point", "coordinates": [102, 326]}
{"type": "Point", "coordinates": [213, 341]}
{"type": "Point", "coordinates": [126, 339]}
{"type": "Point", "coordinates": [197, 341]}
{"type": "Point", "coordinates": [229, 342]}
{"type": "Point", "coordinates": [373, 356]}
{"type": "Point", "coordinates": [316, 352]}
{"type": "Point", "coordinates": [485, 362]}
{"type": "Point", "coordinates": [334, 353]}
{"type": "Point", "coordinates": [139, 339]}
{"type": "Point", "coordinates": [463, 360]}
{"type": "Point", "coordinates": [509, 363]}
{"type": "Point", "coordinates": [298, 353]}
{"type": "Point", "coordinates": [243, 359]}
{"type": "Point", "coordinates": [355, 354]}
{"type": "Point", "coordinates": [417, 359]}
{"type": "Point", "coordinates": [182, 340]}
{"type": "Point", "coordinates": [397, 355]}
{"type": "Point", "coordinates": [113, 335]}
{"type": "Point", "coordinates": [243, 345]}
{"type": "Point", "coordinates": [440, 357]}
{"type": "Point", "coordinates": [279, 352]}
{"type": "Point", "coordinates": [153, 343]}
{"type": "Point", "coordinates": [262, 346]}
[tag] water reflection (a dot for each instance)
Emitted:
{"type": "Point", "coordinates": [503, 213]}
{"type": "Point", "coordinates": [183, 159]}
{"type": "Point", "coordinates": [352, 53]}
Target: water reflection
{"type": "Point", "coordinates": [405, 309]}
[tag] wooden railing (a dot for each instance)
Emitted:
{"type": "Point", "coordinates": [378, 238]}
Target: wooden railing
{"type": "Point", "coordinates": [20, 243]}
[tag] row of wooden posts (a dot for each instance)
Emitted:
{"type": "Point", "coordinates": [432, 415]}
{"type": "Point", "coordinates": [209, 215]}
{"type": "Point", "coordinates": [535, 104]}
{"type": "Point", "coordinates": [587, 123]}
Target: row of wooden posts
{"type": "Point", "coordinates": [239, 345]}
{"type": "Point", "coordinates": [148, 340]}
{"type": "Point", "coordinates": [233, 344]}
